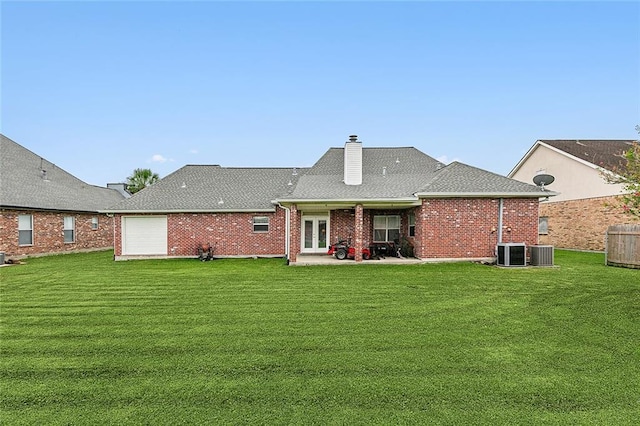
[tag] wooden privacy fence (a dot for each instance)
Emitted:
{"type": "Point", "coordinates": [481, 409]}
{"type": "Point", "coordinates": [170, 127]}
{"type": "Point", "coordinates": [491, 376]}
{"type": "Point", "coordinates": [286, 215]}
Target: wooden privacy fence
{"type": "Point", "coordinates": [623, 246]}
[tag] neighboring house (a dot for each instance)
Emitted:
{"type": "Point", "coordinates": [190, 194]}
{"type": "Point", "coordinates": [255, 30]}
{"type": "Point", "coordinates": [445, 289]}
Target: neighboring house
{"type": "Point", "coordinates": [578, 217]}
{"type": "Point", "coordinates": [367, 195]}
{"type": "Point", "coordinates": [45, 210]}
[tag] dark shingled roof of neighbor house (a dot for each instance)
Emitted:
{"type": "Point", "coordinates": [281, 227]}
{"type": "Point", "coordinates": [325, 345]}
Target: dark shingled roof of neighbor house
{"type": "Point", "coordinates": [602, 153]}
{"type": "Point", "coordinates": [24, 185]}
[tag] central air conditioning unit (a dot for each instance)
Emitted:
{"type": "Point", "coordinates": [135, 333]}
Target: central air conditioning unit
{"type": "Point", "coordinates": [541, 255]}
{"type": "Point", "coordinates": [512, 254]}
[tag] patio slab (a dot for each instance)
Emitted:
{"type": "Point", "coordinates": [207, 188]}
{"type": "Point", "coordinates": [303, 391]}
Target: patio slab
{"type": "Point", "coordinates": [325, 259]}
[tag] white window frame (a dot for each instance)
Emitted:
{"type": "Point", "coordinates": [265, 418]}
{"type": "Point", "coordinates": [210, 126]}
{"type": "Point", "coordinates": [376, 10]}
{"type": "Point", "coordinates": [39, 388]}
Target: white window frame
{"type": "Point", "coordinates": [25, 229]}
{"type": "Point", "coordinates": [260, 224]}
{"type": "Point", "coordinates": [94, 223]}
{"type": "Point", "coordinates": [387, 229]}
{"type": "Point", "coordinates": [69, 229]}
{"type": "Point", "coordinates": [411, 225]}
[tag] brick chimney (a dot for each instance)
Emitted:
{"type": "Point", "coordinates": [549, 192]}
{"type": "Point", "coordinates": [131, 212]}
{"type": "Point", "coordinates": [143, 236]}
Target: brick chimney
{"type": "Point", "coordinates": [353, 161]}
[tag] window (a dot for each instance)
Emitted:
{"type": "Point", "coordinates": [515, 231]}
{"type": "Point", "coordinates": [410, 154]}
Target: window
{"type": "Point", "coordinates": [69, 229]}
{"type": "Point", "coordinates": [25, 230]}
{"type": "Point", "coordinates": [543, 225]}
{"type": "Point", "coordinates": [386, 228]}
{"type": "Point", "coordinates": [94, 223]}
{"type": "Point", "coordinates": [412, 225]}
{"type": "Point", "coordinates": [260, 224]}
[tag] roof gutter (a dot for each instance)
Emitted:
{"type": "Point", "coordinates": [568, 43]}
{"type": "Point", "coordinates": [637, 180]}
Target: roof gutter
{"type": "Point", "coordinates": [131, 211]}
{"type": "Point", "coordinates": [48, 209]}
{"type": "Point", "coordinates": [347, 200]}
{"type": "Point", "coordinates": [287, 229]}
{"type": "Point", "coordinates": [542, 194]}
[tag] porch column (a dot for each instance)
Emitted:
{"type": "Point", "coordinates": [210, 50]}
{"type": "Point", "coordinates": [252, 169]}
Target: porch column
{"type": "Point", "coordinates": [358, 230]}
{"type": "Point", "coordinates": [294, 229]}
{"type": "Point", "coordinates": [420, 240]}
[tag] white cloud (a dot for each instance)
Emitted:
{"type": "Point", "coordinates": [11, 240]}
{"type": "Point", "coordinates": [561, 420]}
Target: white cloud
{"type": "Point", "coordinates": [193, 151]}
{"type": "Point", "coordinates": [159, 158]}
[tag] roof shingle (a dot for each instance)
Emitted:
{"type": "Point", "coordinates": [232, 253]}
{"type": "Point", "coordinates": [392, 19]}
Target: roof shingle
{"type": "Point", "coordinates": [24, 184]}
{"type": "Point", "coordinates": [213, 188]}
{"type": "Point", "coordinates": [602, 153]}
{"type": "Point", "coordinates": [388, 174]}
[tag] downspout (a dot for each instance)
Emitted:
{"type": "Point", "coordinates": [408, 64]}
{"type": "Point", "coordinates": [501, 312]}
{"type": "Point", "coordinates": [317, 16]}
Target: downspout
{"type": "Point", "coordinates": [113, 226]}
{"type": "Point", "coordinates": [287, 229]}
{"type": "Point", "coordinates": [501, 206]}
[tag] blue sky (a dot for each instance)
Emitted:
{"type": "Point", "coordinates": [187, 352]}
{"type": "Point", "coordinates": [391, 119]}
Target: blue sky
{"type": "Point", "coordinates": [102, 88]}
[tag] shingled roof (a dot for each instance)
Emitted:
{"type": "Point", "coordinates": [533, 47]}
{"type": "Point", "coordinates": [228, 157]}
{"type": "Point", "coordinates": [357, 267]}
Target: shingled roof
{"type": "Point", "coordinates": [28, 181]}
{"type": "Point", "coordinates": [403, 173]}
{"type": "Point", "coordinates": [386, 173]}
{"type": "Point", "coordinates": [211, 188]}
{"type": "Point", "coordinates": [602, 153]}
{"type": "Point", "coordinates": [464, 180]}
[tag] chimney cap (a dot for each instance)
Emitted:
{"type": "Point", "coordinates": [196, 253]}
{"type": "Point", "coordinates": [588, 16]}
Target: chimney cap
{"type": "Point", "coordinates": [353, 138]}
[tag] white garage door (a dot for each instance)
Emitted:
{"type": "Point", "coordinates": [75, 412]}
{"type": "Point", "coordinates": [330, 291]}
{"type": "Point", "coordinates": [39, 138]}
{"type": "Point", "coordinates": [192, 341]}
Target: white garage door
{"type": "Point", "coordinates": [144, 235]}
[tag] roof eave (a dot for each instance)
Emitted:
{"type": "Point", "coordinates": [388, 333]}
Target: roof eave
{"type": "Point", "coordinates": [345, 200]}
{"type": "Point", "coordinates": [526, 157]}
{"type": "Point", "coordinates": [46, 209]}
{"type": "Point", "coordinates": [164, 211]}
{"type": "Point", "coordinates": [542, 194]}
{"type": "Point", "coordinates": [558, 151]}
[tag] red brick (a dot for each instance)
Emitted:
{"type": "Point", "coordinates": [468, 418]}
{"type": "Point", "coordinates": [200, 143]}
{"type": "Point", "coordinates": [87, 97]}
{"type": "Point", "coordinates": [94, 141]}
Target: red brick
{"type": "Point", "coordinates": [581, 224]}
{"type": "Point", "coordinates": [48, 235]}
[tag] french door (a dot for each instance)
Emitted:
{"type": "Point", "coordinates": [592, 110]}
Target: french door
{"type": "Point", "coordinates": [315, 234]}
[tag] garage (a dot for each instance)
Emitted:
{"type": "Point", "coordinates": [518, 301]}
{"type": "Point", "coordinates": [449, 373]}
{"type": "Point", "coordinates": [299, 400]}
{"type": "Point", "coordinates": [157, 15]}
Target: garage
{"type": "Point", "coordinates": [144, 235]}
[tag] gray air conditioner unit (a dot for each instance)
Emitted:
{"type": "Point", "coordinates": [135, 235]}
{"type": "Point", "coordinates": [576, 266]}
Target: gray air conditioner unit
{"type": "Point", "coordinates": [541, 255]}
{"type": "Point", "coordinates": [512, 254]}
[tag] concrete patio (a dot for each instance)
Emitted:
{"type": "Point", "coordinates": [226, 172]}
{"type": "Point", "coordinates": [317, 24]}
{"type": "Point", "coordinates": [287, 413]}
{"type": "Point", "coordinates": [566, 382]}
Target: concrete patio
{"type": "Point", "coordinates": [325, 259]}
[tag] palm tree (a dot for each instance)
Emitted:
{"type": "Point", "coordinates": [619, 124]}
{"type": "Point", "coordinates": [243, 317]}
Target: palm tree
{"type": "Point", "coordinates": [140, 179]}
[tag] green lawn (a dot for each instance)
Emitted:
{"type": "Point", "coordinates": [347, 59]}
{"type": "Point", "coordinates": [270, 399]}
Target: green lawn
{"type": "Point", "coordinates": [86, 340]}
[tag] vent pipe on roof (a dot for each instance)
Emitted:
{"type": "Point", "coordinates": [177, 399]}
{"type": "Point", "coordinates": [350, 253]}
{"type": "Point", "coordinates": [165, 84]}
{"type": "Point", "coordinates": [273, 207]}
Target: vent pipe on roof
{"type": "Point", "coordinates": [353, 161]}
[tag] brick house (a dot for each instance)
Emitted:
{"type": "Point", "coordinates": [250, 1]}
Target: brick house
{"type": "Point", "coordinates": [578, 217]}
{"type": "Point", "coordinates": [45, 210]}
{"type": "Point", "coordinates": [366, 195]}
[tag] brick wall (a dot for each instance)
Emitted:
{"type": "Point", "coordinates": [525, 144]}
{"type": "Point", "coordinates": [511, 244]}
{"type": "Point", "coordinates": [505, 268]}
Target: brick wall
{"type": "Point", "coordinates": [467, 228]}
{"type": "Point", "coordinates": [294, 242]}
{"type": "Point", "coordinates": [48, 235]}
{"type": "Point", "coordinates": [445, 228]}
{"type": "Point", "coordinates": [231, 233]}
{"type": "Point", "coordinates": [343, 224]}
{"type": "Point", "coordinates": [581, 224]}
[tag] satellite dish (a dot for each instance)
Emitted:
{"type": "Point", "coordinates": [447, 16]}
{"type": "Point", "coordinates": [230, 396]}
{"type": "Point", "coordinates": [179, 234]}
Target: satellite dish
{"type": "Point", "coordinates": [543, 179]}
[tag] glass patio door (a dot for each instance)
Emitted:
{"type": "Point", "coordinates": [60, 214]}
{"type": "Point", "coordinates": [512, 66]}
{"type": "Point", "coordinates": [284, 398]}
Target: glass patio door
{"type": "Point", "coordinates": [315, 234]}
